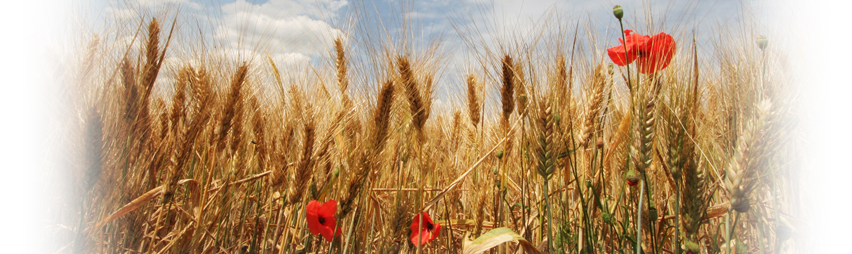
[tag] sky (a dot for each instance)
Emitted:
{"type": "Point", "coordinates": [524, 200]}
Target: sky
{"type": "Point", "coordinates": [300, 32]}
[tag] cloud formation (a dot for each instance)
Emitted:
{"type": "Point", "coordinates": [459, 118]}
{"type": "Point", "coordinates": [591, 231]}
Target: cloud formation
{"type": "Point", "coordinates": [282, 26]}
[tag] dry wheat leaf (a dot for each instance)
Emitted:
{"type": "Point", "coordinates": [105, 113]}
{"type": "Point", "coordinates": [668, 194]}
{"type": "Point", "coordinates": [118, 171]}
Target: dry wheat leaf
{"type": "Point", "coordinates": [493, 238]}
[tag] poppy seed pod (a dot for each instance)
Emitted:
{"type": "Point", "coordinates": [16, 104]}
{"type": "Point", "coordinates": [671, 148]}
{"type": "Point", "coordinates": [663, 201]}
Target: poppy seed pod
{"type": "Point", "coordinates": [618, 12]}
{"type": "Point", "coordinates": [762, 42]}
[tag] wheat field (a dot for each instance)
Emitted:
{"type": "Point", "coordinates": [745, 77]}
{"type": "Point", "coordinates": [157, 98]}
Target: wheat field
{"type": "Point", "coordinates": [541, 145]}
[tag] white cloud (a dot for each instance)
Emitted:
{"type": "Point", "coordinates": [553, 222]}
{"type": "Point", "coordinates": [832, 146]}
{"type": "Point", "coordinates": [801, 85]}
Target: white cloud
{"type": "Point", "coordinates": [286, 8]}
{"type": "Point", "coordinates": [281, 26]}
{"type": "Point", "coordinates": [289, 59]}
{"type": "Point", "coordinates": [187, 3]}
{"type": "Point", "coordinates": [121, 13]}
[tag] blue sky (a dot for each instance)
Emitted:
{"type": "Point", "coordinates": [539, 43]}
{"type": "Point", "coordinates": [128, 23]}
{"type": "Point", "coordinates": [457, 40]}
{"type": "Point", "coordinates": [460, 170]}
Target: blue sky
{"type": "Point", "coordinates": [298, 32]}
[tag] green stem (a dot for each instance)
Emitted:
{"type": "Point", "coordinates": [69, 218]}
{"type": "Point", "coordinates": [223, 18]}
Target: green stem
{"type": "Point", "coordinates": [650, 225]}
{"type": "Point", "coordinates": [728, 231]}
{"type": "Point", "coordinates": [677, 218]}
{"type": "Point", "coordinates": [586, 222]}
{"type": "Point", "coordinates": [549, 217]}
{"type": "Point", "coordinates": [639, 218]}
{"type": "Point", "coordinates": [623, 37]}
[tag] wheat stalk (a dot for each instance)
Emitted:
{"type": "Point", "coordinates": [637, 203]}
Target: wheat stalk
{"type": "Point", "coordinates": [595, 105]}
{"type": "Point", "coordinates": [507, 90]}
{"type": "Point", "coordinates": [233, 105]}
{"type": "Point", "coordinates": [473, 103]}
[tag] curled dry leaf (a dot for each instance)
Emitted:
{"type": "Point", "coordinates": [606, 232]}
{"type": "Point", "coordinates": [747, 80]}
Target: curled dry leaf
{"type": "Point", "coordinates": [494, 238]}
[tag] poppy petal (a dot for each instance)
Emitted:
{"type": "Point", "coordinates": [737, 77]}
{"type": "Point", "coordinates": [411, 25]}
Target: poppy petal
{"type": "Point", "coordinates": [326, 211]}
{"type": "Point", "coordinates": [328, 228]}
{"type": "Point", "coordinates": [634, 44]}
{"type": "Point", "coordinates": [635, 41]}
{"type": "Point", "coordinates": [415, 236]}
{"type": "Point", "coordinates": [660, 51]}
{"type": "Point", "coordinates": [329, 208]}
{"type": "Point", "coordinates": [617, 55]}
{"type": "Point", "coordinates": [436, 232]}
{"type": "Point", "coordinates": [423, 234]}
{"type": "Point", "coordinates": [312, 215]}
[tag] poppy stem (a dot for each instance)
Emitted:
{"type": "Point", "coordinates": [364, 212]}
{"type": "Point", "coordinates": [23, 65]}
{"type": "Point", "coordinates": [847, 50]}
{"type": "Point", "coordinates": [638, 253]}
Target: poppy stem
{"type": "Point", "coordinates": [626, 57]}
{"type": "Point", "coordinates": [639, 218]}
{"type": "Point", "coordinates": [728, 231]}
{"type": "Point", "coordinates": [677, 215]}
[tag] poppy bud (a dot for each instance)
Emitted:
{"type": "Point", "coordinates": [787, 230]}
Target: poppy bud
{"type": "Point", "coordinates": [691, 247]}
{"type": "Point", "coordinates": [588, 183]}
{"type": "Point", "coordinates": [632, 177]}
{"type": "Point", "coordinates": [600, 142]}
{"type": "Point", "coordinates": [556, 118]}
{"type": "Point", "coordinates": [741, 205]}
{"type": "Point", "coordinates": [618, 12]}
{"type": "Point", "coordinates": [783, 229]}
{"type": "Point", "coordinates": [607, 218]}
{"type": "Point", "coordinates": [762, 42]}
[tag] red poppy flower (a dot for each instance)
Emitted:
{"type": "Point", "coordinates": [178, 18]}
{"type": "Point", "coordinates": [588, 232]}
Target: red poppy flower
{"type": "Point", "coordinates": [653, 53]}
{"type": "Point", "coordinates": [428, 232]}
{"type": "Point", "coordinates": [321, 218]}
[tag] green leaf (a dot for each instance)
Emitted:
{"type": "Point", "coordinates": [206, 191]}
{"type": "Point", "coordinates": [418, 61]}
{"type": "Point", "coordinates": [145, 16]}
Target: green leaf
{"type": "Point", "coordinates": [494, 238]}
